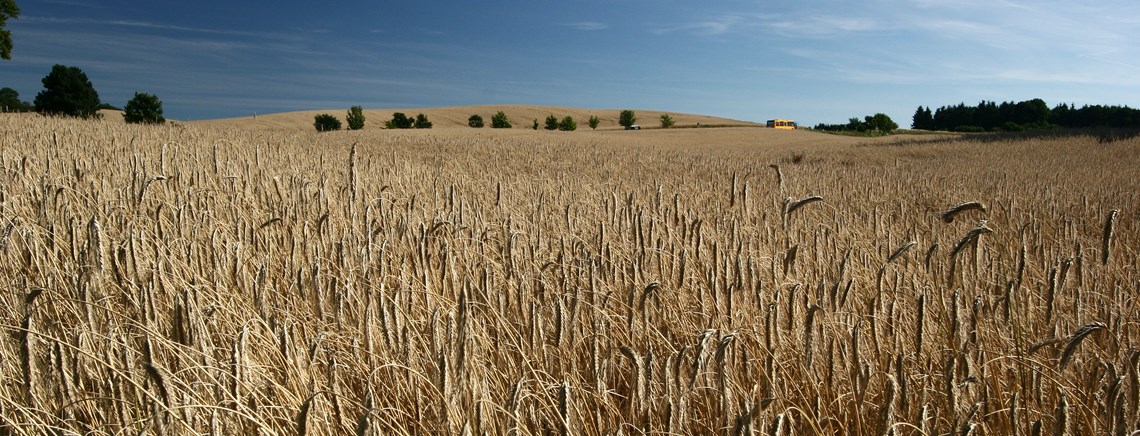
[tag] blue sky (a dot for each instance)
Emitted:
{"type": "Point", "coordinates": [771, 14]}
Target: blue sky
{"type": "Point", "coordinates": [813, 61]}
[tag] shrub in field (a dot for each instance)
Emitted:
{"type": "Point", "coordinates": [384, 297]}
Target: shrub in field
{"type": "Point", "coordinates": [326, 123]}
{"type": "Point", "coordinates": [535, 125]}
{"type": "Point", "coordinates": [627, 118]}
{"type": "Point", "coordinates": [144, 108]}
{"type": "Point", "coordinates": [400, 121]}
{"type": "Point", "coordinates": [667, 121]}
{"type": "Point", "coordinates": [551, 122]}
{"type": "Point", "coordinates": [593, 122]}
{"type": "Point", "coordinates": [68, 91]}
{"type": "Point", "coordinates": [422, 122]}
{"type": "Point", "coordinates": [355, 118]}
{"type": "Point", "coordinates": [567, 124]}
{"type": "Point", "coordinates": [475, 121]}
{"type": "Point", "coordinates": [10, 101]}
{"type": "Point", "coordinates": [500, 121]}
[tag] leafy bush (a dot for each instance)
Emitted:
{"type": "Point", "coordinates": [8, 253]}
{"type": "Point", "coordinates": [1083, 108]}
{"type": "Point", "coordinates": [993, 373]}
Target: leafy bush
{"type": "Point", "coordinates": [144, 108]}
{"type": "Point", "coordinates": [535, 125]}
{"type": "Point", "coordinates": [400, 121]}
{"type": "Point", "coordinates": [475, 121]}
{"type": "Point", "coordinates": [422, 122]}
{"type": "Point", "coordinates": [567, 124]}
{"type": "Point", "coordinates": [10, 101]}
{"type": "Point", "coordinates": [355, 118]}
{"type": "Point", "coordinates": [667, 121]}
{"type": "Point", "coordinates": [551, 122]}
{"type": "Point", "coordinates": [326, 123]}
{"type": "Point", "coordinates": [594, 121]}
{"type": "Point", "coordinates": [67, 91]}
{"type": "Point", "coordinates": [500, 121]}
{"type": "Point", "coordinates": [627, 118]}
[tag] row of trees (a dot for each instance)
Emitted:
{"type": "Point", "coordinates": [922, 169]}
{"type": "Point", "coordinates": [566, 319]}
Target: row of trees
{"type": "Point", "coordinates": [878, 123]}
{"type": "Point", "coordinates": [68, 92]}
{"type": "Point", "coordinates": [355, 120]}
{"type": "Point", "coordinates": [498, 121]}
{"type": "Point", "coordinates": [989, 116]}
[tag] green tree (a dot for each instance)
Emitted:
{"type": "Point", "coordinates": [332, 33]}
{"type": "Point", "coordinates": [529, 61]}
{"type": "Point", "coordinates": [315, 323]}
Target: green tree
{"type": "Point", "coordinates": [475, 121]}
{"type": "Point", "coordinates": [500, 121]}
{"type": "Point", "coordinates": [422, 122]}
{"type": "Point", "coordinates": [627, 118]}
{"type": "Point", "coordinates": [667, 121]}
{"type": "Point", "coordinates": [10, 101]}
{"type": "Point", "coordinates": [67, 91]}
{"type": "Point", "coordinates": [593, 122]}
{"type": "Point", "coordinates": [923, 119]}
{"type": "Point", "coordinates": [355, 118]}
{"type": "Point", "coordinates": [567, 124]}
{"type": "Point", "coordinates": [144, 108]}
{"type": "Point", "coordinates": [551, 122]}
{"type": "Point", "coordinates": [400, 121]}
{"type": "Point", "coordinates": [880, 122]}
{"type": "Point", "coordinates": [535, 125]}
{"type": "Point", "coordinates": [8, 9]}
{"type": "Point", "coordinates": [326, 123]}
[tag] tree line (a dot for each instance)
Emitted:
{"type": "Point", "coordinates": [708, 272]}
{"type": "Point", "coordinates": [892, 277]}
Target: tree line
{"type": "Point", "coordinates": [989, 116]}
{"type": "Point", "coordinates": [68, 92]}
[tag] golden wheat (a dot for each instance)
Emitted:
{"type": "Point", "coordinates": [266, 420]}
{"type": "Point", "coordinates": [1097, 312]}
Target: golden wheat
{"type": "Point", "coordinates": [214, 280]}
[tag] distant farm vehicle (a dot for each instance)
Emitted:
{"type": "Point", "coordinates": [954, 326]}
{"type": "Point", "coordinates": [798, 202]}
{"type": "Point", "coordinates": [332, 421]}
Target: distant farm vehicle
{"type": "Point", "coordinates": [634, 127]}
{"type": "Point", "coordinates": [782, 124]}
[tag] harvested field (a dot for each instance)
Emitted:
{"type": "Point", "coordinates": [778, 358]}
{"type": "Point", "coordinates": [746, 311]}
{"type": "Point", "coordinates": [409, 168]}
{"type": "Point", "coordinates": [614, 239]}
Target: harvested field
{"type": "Point", "coordinates": [209, 278]}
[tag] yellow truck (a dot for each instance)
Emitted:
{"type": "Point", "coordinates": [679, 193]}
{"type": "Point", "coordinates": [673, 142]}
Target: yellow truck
{"type": "Point", "coordinates": [781, 124]}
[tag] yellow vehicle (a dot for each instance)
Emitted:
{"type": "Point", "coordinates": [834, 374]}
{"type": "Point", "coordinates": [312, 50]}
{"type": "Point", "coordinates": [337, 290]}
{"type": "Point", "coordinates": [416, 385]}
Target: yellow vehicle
{"type": "Point", "coordinates": [781, 124]}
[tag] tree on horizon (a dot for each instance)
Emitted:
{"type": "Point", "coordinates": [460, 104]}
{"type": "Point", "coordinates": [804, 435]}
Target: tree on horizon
{"type": "Point", "coordinates": [67, 91]}
{"type": "Point", "coordinates": [144, 108]}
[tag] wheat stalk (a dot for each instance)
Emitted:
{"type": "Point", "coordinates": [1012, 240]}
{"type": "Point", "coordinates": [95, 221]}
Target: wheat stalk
{"type": "Point", "coordinates": [1076, 339]}
{"type": "Point", "coordinates": [953, 211]}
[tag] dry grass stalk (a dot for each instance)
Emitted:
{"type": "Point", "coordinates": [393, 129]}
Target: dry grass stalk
{"type": "Point", "coordinates": [1076, 339]}
{"type": "Point", "coordinates": [794, 205]}
{"type": "Point", "coordinates": [953, 211]}
{"type": "Point", "coordinates": [1106, 238]}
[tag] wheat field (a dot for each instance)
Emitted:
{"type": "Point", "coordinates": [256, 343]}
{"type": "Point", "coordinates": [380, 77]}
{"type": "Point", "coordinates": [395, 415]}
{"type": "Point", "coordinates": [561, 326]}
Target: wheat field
{"type": "Point", "coordinates": [208, 280]}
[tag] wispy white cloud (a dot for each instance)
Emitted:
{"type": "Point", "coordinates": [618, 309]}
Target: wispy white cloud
{"type": "Point", "coordinates": [587, 25]}
{"type": "Point", "coordinates": [715, 25]}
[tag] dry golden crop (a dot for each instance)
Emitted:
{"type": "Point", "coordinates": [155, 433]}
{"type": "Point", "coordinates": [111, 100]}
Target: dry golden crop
{"type": "Point", "coordinates": [182, 280]}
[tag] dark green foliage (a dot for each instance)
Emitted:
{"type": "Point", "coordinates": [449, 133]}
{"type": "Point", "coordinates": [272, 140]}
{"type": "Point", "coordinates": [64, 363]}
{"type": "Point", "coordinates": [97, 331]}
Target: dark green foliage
{"type": "Point", "coordinates": [879, 123]}
{"type": "Point", "coordinates": [627, 118]}
{"type": "Point", "coordinates": [67, 91]}
{"type": "Point", "coordinates": [144, 108]}
{"type": "Point", "coordinates": [355, 118]}
{"type": "Point", "coordinates": [1026, 115]}
{"type": "Point", "coordinates": [422, 122]}
{"type": "Point", "coordinates": [400, 121]}
{"type": "Point", "coordinates": [500, 121]}
{"type": "Point", "coordinates": [593, 122]}
{"type": "Point", "coordinates": [551, 122]}
{"type": "Point", "coordinates": [8, 9]}
{"type": "Point", "coordinates": [10, 101]}
{"type": "Point", "coordinates": [567, 124]}
{"type": "Point", "coordinates": [535, 125]}
{"type": "Point", "coordinates": [667, 121]}
{"type": "Point", "coordinates": [923, 119]}
{"type": "Point", "coordinates": [475, 121]}
{"type": "Point", "coordinates": [326, 123]}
